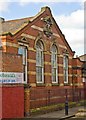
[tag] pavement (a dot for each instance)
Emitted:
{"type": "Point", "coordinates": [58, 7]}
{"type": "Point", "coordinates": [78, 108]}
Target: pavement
{"type": "Point", "coordinates": [60, 114]}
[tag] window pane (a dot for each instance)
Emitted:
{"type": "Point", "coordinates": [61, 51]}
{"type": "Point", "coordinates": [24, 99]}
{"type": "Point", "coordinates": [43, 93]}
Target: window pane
{"type": "Point", "coordinates": [65, 62]}
{"type": "Point", "coordinates": [65, 76]}
{"type": "Point", "coordinates": [22, 51]}
{"type": "Point", "coordinates": [39, 74]}
{"type": "Point", "coordinates": [38, 58]}
{"type": "Point", "coordinates": [24, 56]}
{"type": "Point", "coordinates": [54, 75]}
{"type": "Point", "coordinates": [54, 60]}
{"type": "Point", "coordinates": [54, 63]}
{"type": "Point", "coordinates": [39, 62]}
{"type": "Point", "coordinates": [54, 49]}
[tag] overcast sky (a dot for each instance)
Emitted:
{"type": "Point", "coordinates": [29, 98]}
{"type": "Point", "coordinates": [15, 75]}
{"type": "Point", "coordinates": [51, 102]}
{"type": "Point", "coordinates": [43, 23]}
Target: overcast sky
{"type": "Point", "coordinates": [69, 15]}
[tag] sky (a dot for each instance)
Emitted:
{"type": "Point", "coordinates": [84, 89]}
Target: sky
{"type": "Point", "coordinates": [69, 15]}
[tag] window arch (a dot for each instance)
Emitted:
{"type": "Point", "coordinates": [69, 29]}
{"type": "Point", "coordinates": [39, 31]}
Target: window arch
{"type": "Point", "coordinates": [54, 63]}
{"type": "Point", "coordinates": [39, 62]}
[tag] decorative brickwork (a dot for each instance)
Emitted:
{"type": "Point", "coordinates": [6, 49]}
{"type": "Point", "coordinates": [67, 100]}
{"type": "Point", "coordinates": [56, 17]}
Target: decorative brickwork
{"type": "Point", "coordinates": [18, 53]}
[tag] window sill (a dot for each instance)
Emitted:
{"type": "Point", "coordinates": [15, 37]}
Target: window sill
{"type": "Point", "coordinates": [27, 86]}
{"type": "Point", "coordinates": [55, 84]}
{"type": "Point", "coordinates": [40, 84]}
{"type": "Point", "coordinates": [66, 84]}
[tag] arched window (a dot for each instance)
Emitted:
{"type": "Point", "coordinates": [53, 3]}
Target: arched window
{"type": "Point", "coordinates": [54, 64]}
{"type": "Point", "coordinates": [39, 62]}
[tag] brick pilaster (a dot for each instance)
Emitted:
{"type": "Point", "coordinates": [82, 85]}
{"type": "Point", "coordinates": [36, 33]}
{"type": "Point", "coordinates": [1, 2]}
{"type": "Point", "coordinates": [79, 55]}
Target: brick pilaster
{"type": "Point", "coordinates": [27, 101]}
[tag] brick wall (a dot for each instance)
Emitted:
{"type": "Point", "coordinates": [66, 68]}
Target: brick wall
{"type": "Point", "coordinates": [12, 101]}
{"type": "Point", "coordinates": [11, 95]}
{"type": "Point", "coordinates": [1, 60]}
{"type": "Point", "coordinates": [40, 97]}
{"type": "Point", "coordinates": [11, 62]}
{"type": "Point", "coordinates": [0, 101]}
{"type": "Point", "coordinates": [77, 72]}
{"type": "Point", "coordinates": [11, 44]}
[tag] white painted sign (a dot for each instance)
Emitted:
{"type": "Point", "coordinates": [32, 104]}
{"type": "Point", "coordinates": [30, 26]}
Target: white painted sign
{"type": "Point", "coordinates": [11, 77]}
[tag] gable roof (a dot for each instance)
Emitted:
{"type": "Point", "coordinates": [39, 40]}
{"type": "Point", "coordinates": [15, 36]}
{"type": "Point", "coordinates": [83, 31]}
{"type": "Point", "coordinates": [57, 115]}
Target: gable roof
{"type": "Point", "coordinates": [82, 57]}
{"type": "Point", "coordinates": [13, 26]}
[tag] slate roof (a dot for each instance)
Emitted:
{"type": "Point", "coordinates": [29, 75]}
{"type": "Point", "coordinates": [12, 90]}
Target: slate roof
{"type": "Point", "coordinates": [12, 26]}
{"type": "Point", "coordinates": [83, 57]}
{"type": "Point", "coordinates": [84, 68]}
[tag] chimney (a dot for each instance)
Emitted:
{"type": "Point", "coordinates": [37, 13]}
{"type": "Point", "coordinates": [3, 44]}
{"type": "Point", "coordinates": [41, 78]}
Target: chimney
{"type": "Point", "coordinates": [2, 19]}
{"type": "Point", "coordinates": [76, 56]}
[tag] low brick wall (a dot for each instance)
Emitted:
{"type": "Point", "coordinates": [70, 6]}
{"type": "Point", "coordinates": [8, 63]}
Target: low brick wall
{"type": "Point", "coordinates": [0, 102]}
{"type": "Point", "coordinates": [12, 101]}
{"type": "Point", "coordinates": [40, 97]}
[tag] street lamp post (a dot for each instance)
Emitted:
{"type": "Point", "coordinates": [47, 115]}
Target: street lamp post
{"type": "Point", "coordinates": [66, 102]}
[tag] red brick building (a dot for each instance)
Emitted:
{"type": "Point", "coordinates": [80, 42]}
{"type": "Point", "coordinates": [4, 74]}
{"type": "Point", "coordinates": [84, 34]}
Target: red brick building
{"type": "Point", "coordinates": [38, 61]}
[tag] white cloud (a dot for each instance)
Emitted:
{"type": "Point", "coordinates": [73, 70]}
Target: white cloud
{"type": "Point", "coordinates": [4, 5]}
{"type": "Point", "coordinates": [52, 1]}
{"type": "Point", "coordinates": [74, 20]}
{"type": "Point", "coordinates": [72, 27]}
{"type": "Point", "coordinates": [25, 2]}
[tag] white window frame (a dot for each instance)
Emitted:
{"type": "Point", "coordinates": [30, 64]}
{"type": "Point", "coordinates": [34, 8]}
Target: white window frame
{"type": "Point", "coordinates": [41, 65]}
{"type": "Point", "coordinates": [24, 46]}
{"type": "Point", "coordinates": [65, 68]}
{"type": "Point", "coordinates": [54, 65]}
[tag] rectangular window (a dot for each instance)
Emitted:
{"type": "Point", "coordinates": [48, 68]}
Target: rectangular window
{"type": "Point", "coordinates": [23, 51]}
{"type": "Point", "coordinates": [65, 67]}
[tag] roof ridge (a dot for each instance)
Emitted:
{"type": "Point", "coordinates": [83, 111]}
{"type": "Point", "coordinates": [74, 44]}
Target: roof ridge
{"type": "Point", "coordinates": [21, 22]}
{"type": "Point", "coordinates": [82, 55]}
{"type": "Point", "coordinates": [33, 17]}
{"type": "Point", "coordinates": [13, 20]}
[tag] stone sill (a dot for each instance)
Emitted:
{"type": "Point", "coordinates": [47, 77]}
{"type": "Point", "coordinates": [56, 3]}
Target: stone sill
{"type": "Point", "coordinates": [55, 84]}
{"type": "Point", "coordinates": [40, 84]}
{"type": "Point", "coordinates": [66, 84]}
